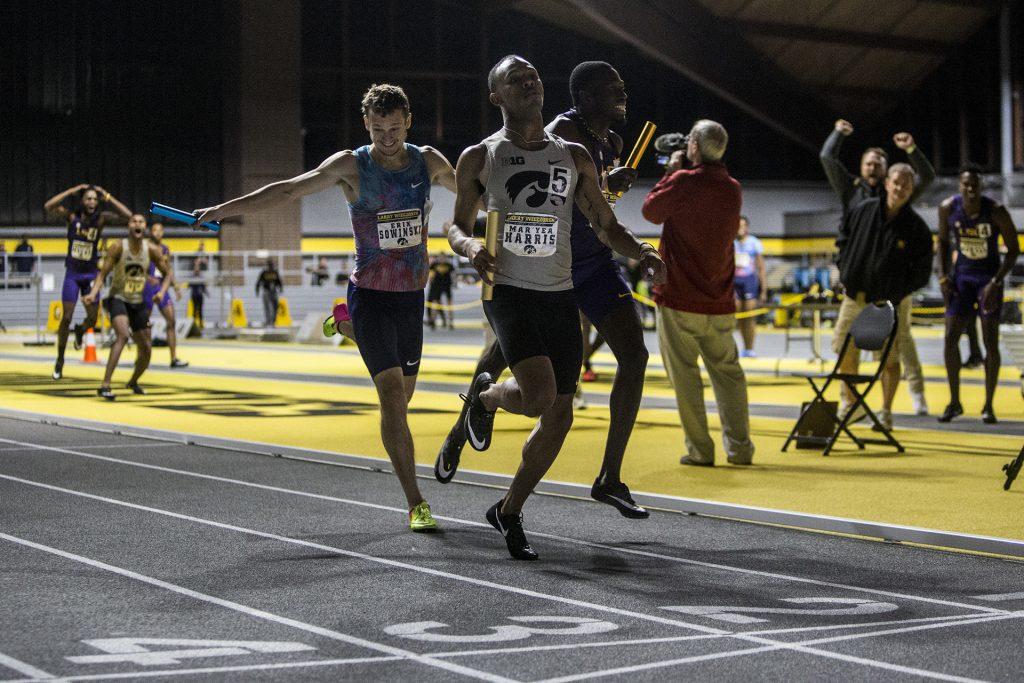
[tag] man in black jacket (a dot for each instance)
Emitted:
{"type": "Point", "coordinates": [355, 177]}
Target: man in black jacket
{"type": "Point", "coordinates": [852, 190]}
{"type": "Point", "coordinates": [885, 253]}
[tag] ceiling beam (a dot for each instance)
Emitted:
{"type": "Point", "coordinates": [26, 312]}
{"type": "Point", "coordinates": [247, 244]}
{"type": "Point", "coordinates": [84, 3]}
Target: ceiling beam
{"type": "Point", "coordinates": [843, 37]}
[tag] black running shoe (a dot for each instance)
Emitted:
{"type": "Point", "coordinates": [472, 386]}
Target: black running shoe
{"type": "Point", "coordinates": [988, 416]}
{"type": "Point", "coordinates": [79, 334]}
{"type": "Point", "coordinates": [136, 389]}
{"type": "Point", "coordinates": [617, 495]}
{"type": "Point", "coordinates": [448, 457]}
{"type": "Point", "coordinates": [58, 369]}
{"type": "Point", "coordinates": [951, 411]}
{"type": "Point", "coordinates": [974, 362]}
{"type": "Point", "coordinates": [479, 420]}
{"type": "Point", "coordinates": [178, 363]}
{"type": "Point", "coordinates": [511, 527]}
{"type": "Point", "coordinates": [105, 392]}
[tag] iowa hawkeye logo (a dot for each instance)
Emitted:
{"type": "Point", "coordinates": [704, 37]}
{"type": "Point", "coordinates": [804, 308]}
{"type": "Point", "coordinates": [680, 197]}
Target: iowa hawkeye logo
{"type": "Point", "coordinates": [534, 182]}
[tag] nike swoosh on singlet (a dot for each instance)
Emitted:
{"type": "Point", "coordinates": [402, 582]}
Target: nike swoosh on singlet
{"type": "Point", "coordinates": [412, 362]}
{"type": "Point", "coordinates": [415, 185]}
{"type": "Point", "coordinates": [554, 162]}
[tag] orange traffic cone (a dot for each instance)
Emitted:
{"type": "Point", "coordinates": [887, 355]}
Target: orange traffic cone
{"type": "Point", "coordinates": [90, 347]}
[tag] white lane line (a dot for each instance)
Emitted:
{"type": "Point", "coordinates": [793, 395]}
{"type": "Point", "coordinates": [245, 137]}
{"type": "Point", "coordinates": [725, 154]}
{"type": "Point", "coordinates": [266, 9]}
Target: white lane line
{"type": "Point", "coordinates": [999, 597]}
{"type": "Point", "coordinates": [260, 614]}
{"type": "Point", "coordinates": [23, 668]}
{"type": "Point", "coordinates": [97, 445]}
{"type": "Point", "coordinates": [555, 537]}
{"type": "Point", "coordinates": [640, 616]}
{"type": "Point", "coordinates": [219, 669]}
{"type": "Point", "coordinates": [806, 647]}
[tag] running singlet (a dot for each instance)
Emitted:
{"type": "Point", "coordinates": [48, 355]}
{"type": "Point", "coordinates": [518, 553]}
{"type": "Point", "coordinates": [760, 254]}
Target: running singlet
{"type": "Point", "coordinates": [153, 271]}
{"type": "Point", "coordinates": [747, 251]}
{"type": "Point", "coordinates": [389, 222]}
{"type": "Point", "coordinates": [976, 239]}
{"type": "Point", "coordinates": [533, 193]}
{"type": "Point", "coordinates": [83, 239]}
{"type": "Point", "coordinates": [588, 252]}
{"type": "Point", "coordinates": [130, 273]}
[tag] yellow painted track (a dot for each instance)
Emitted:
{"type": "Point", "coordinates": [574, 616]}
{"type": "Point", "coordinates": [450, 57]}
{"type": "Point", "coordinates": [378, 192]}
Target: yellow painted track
{"type": "Point", "coordinates": [946, 480]}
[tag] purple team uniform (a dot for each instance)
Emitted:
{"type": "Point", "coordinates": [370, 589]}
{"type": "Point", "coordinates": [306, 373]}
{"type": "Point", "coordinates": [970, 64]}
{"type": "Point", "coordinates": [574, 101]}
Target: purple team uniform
{"type": "Point", "coordinates": [977, 246]}
{"type": "Point", "coordinates": [746, 282]}
{"type": "Point", "coordinates": [82, 261]}
{"type": "Point", "coordinates": [151, 288]}
{"type": "Point", "coordinates": [596, 277]}
{"type": "Point", "coordinates": [385, 292]}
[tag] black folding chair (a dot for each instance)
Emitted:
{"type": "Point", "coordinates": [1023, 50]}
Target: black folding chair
{"type": "Point", "coordinates": [874, 329]}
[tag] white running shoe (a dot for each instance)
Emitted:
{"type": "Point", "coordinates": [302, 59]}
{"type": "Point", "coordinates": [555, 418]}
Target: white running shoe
{"type": "Point", "coordinates": [920, 404]}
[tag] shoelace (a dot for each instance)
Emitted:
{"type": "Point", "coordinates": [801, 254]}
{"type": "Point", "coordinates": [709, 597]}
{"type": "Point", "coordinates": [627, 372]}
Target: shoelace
{"type": "Point", "coordinates": [487, 414]}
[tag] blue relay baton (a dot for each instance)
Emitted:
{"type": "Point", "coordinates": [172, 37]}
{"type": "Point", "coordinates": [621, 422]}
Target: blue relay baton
{"type": "Point", "coordinates": [179, 215]}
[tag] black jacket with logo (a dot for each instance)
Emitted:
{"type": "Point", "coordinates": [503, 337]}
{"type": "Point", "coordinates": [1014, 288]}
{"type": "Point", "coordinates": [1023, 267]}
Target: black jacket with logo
{"type": "Point", "coordinates": [884, 259]}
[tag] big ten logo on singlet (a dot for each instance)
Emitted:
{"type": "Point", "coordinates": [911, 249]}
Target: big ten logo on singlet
{"type": "Point", "coordinates": [974, 241]}
{"type": "Point", "coordinates": [399, 229]}
{"type": "Point", "coordinates": [134, 278]}
{"type": "Point", "coordinates": [531, 234]}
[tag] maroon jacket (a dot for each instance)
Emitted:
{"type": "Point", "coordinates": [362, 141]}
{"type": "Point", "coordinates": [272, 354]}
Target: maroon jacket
{"type": "Point", "coordinates": [700, 208]}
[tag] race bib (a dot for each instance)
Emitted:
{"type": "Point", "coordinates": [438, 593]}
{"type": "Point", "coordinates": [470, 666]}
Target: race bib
{"type": "Point", "coordinates": [531, 234]}
{"type": "Point", "coordinates": [399, 229]}
{"type": "Point", "coordinates": [743, 260]}
{"type": "Point", "coordinates": [81, 251]}
{"type": "Point", "coordinates": [974, 248]}
{"type": "Point", "coordinates": [134, 286]}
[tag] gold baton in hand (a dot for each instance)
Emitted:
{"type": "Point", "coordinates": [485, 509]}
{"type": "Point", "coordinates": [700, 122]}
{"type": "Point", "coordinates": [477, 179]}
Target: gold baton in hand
{"type": "Point", "coordinates": [491, 244]}
{"type": "Point", "coordinates": [646, 135]}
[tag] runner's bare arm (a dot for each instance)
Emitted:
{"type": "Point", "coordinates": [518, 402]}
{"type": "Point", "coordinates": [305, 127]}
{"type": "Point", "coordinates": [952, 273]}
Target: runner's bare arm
{"type": "Point", "coordinates": [120, 210]}
{"type": "Point", "coordinates": [163, 265]}
{"type": "Point", "coordinates": [439, 169]}
{"type": "Point", "coordinates": [469, 191]}
{"type": "Point", "coordinates": [55, 204]}
{"type": "Point", "coordinates": [113, 254]}
{"type": "Point", "coordinates": [1001, 217]}
{"type": "Point", "coordinates": [339, 169]}
{"type": "Point", "coordinates": [592, 203]}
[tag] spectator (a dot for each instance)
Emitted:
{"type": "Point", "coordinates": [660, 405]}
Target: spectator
{"type": "Point", "coordinates": [24, 261]}
{"type": "Point", "coordinates": [197, 291]}
{"type": "Point", "coordinates": [270, 282]}
{"type": "Point", "coordinates": [3, 258]}
{"type": "Point", "coordinates": [885, 253]}
{"type": "Point", "coordinates": [696, 315]}
{"type": "Point", "coordinates": [201, 259]}
{"type": "Point", "coordinates": [852, 190]}
{"type": "Point", "coordinates": [320, 273]}
{"type": "Point", "coordinates": [749, 283]}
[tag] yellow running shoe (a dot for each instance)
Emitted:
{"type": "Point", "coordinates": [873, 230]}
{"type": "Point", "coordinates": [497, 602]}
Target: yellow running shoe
{"type": "Point", "coordinates": [420, 518]}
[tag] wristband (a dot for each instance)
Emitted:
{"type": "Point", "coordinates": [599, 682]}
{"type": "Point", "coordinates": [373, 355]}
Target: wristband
{"type": "Point", "coordinates": [106, 197]}
{"type": "Point", "coordinates": [911, 149]}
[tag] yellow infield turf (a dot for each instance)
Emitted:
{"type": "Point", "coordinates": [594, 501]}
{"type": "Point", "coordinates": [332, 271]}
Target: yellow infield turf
{"type": "Point", "coordinates": [946, 480]}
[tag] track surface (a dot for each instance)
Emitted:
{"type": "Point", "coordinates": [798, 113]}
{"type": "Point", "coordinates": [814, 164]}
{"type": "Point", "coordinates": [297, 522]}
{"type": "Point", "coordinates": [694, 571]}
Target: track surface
{"type": "Point", "coordinates": [123, 557]}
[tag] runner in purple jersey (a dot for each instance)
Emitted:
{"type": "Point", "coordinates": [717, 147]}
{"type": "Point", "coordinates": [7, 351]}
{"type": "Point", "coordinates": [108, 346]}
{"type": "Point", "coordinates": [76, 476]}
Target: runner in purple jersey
{"type": "Point", "coordinates": [87, 209]}
{"type": "Point", "coordinates": [602, 294]}
{"type": "Point", "coordinates": [974, 281]}
{"type": "Point", "coordinates": [165, 304]}
{"type": "Point", "coordinates": [386, 184]}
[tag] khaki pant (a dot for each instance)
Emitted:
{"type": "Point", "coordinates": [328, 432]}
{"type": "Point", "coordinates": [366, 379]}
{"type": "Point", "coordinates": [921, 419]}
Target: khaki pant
{"type": "Point", "coordinates": [685, 336]}
{"type": "Point", "coordinates": [904, 350]}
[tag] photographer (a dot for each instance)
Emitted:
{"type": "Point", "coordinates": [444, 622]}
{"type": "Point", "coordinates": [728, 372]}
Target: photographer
{"type": "Point", "coordinates": [700, 209]}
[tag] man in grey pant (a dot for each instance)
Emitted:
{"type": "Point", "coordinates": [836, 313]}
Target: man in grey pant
{"type": "Point", "coordinates": [270, 282]}
{"type": "Point", "coordinates": [852, 190]}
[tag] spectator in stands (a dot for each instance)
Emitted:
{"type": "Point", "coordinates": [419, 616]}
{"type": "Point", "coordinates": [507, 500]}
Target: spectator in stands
{"type": "Point", "coordinates": [749, 283]}
{"type": "Point", "coordinates": [320, 273]}
{"type": "Point", "coordinates": [700, 209]}
{"type": "Point", "coordinates": [885, 253]}
{"type": "Point", "coordinates": [852, 190]}
{"type": "Point", "coordinates": [201, 259]}
{"type": "Point", "coordinates": [197, 291]}
{"type": "Point", "coordinates": [270, 282]}
{"type": "Point", "coordinates": [24, 261]}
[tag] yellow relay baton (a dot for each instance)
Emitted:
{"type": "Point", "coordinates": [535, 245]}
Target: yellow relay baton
{"type": "Point", "coordinates": [646, 135]}
{"type": "Point", "coordinates": [491, 244]}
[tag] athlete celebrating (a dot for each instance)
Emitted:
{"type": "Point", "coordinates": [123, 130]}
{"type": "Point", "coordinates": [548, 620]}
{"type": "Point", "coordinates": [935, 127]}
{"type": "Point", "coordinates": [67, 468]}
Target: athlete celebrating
{"type": "Point", "coordinates": [531, 177]}
{"type": "Point", "coordinates": [92, 208]}
{"type": "Point", "coordinates": [387, 185]}
{"type": "Point", "coordinates": [975, 223]}
{"type": "Point", "coordinates": [165, 304]}
{"type": "Point", "coordinates": [129, 259]}
{"type": "Point", "coordinates": [602, 295]}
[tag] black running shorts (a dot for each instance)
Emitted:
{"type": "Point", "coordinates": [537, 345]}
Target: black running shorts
{"type": "Point", "coordinates": [531, 323]}
{"type": "Point", "coordinates": [388, 327]}
{"type": "Point", "coordinates": [138, 314]}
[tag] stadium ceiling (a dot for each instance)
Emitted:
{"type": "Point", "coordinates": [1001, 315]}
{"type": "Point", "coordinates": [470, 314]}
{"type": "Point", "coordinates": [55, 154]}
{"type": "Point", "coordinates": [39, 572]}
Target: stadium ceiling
{"type": "Point", "coordinates": [792, 65]}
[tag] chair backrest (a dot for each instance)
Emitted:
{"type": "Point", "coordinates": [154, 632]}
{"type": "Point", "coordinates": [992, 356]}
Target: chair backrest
{"type": "Point", "coordinates": [873, 326]}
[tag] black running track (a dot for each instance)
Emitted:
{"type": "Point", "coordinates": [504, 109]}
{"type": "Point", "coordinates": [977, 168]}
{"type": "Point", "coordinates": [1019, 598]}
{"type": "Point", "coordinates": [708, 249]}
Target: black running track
{"type": "Point", "coordinates": [123, 558]}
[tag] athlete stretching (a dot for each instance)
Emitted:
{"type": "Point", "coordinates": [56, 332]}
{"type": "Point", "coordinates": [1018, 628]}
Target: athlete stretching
{"type": "Point", "coordinates": [531, 177]}
{"type": "Point", "coordinates": [387, 184]}
{"type": "Point", "coordinates": [92, 208]}
{"type": "Point", "coordinates": [975, 223]}
{"type": "Point", "coordinates": [165, 304]}
{"type": "Point", "coordinates": [604, 298]}
{"type": "Point", "coordinates": [129, 259]}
